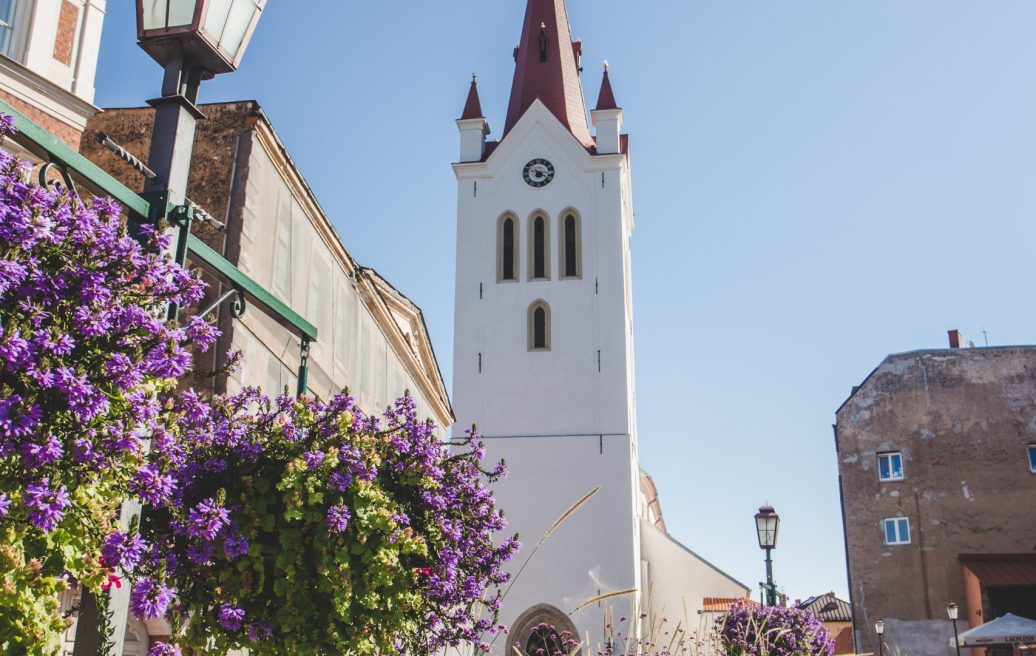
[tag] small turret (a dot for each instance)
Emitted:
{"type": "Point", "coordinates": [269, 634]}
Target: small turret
{"type": "Point", "coordinates": [607, 119]}
{"type": "Point", "coordinates": [473, 126]}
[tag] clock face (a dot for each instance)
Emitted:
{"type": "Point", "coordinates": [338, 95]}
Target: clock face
{"type": "Point", "coordinates": [538, 173]}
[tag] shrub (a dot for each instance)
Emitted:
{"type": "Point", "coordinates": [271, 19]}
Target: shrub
{"type": "Point", "coordinates": [749, 630]}
{"type": "Point", "coordinates": [306, 527]}
{"type": "Point", "coordinates": [84, 351]}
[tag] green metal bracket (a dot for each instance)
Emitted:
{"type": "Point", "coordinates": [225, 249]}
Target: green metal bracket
{"type": "Point", "coordinates": [303, 384]}
{"type": "Point", "coordinates": [215, 264]}
{"type": "Point", "coordinates": [154, 207]}
{"type": "Point", "coordinates": [47, 147]}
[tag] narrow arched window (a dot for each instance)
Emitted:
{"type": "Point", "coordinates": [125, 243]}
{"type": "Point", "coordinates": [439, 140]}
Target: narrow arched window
{"type": "Point", "coordinates": [507, 245]}
{"type": "Point", "coordinates": [539, 247]}
{"type": "Point", "coordinates": [571, 247]}
{"type": "Point", "coordinates": [539, 326]}
{"type": "Point", "coordinates": [539, 244]}
{"type": "Point", "coordinates": [571, 250]}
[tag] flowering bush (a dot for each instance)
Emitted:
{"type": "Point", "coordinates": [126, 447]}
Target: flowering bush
{"type": "Point", "coordinates": [287, 526]}
{"type": "Point", "coordinates": [749, 630]}
{"type": "Point", "coordinates": [83, 352]}
{"type": "Point", "coordinates": [304, 527]}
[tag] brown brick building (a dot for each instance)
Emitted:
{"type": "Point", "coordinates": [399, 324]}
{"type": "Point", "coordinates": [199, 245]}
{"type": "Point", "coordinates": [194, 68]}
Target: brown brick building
{"type": "Point", "coordinates": [937, 467]}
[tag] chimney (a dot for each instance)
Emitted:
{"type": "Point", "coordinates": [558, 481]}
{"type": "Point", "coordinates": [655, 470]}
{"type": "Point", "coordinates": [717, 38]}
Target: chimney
{"type": "Point", "coordinates": [956, 339]}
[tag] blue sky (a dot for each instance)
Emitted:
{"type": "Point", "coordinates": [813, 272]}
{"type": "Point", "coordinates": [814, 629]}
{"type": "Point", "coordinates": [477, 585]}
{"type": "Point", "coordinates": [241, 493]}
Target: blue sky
{"type": "Point", "coordinates": [817, 184]}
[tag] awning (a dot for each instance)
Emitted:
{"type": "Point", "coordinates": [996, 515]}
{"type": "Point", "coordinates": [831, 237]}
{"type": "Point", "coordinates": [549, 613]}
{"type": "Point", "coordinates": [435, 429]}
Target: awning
{"type": "Point", "coordinates": [1003, 570]}
{"type": "Point", "coordinates": [1007, 630]}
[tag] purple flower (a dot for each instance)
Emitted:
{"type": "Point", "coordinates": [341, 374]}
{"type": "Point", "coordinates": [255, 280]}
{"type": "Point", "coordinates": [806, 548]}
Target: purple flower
{"type": "Point", "coordinates": [152, 486]}
{"type": "Point", "coordinates": [338, 519]}
{"type": "Point", "coordinates": [200, 554]}
{"type": "Point", "coordinates": [122, 372]}
{"type": "Point", "coordinates": [38, 455]}
{"type": "Point", "coordinates": [230, 617]}
{"type": "Point", "coordinates": [150, 600]}
{"type": "Point", "coordinates": [5, 505]}
{"type": "Point", "coordinates": [339, 481]}
{"type": "Point", "coordinates": [46, 506]}
{"type": "Point", "coordinates": [123, 550]}
{"type": "Point", "coordinates": [201, 333]}
{"type": "Point", "coordinates": [11, 275]}
{"type": "Point", "coordinates": [164, 649]}
{"type": "Point", "coordinates": [206, 520]}
{"type": "Point", "coordinates": [259, 631]}
{"type": "Point", "coordinates": [235, 546]}
{"type": "Point", "coordinates": [313, 459]}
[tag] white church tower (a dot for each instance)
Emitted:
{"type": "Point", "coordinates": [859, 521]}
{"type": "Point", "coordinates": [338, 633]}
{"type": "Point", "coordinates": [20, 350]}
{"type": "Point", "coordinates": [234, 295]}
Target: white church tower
{"type": "Point", "coordinates": [543, 346]}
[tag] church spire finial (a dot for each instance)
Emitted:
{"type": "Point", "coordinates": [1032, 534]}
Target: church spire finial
{"type": "Point", "coordinates": [606, 99]}
{"type": "Point", "coordinates": [546, 68]}
{"type": "Point", "coordinates": [473, 106]}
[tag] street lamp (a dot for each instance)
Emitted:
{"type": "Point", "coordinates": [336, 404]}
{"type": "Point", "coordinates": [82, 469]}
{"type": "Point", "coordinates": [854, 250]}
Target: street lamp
{"type": "Point", "coordinates": [766, 523]}
{"type": "Point", "coordinates": [879, 628]}
{"type": "Point", "coordinates": [211, 33]}
{"type": "Point", "coordinates": [193, 40]}
{"type": "Point", "coordinates": [951, 611]}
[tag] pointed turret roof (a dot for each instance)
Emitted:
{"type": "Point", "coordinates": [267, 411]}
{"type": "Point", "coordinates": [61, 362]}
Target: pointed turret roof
{"type": "Point", "coordinates": [606, 99]}
{"type": "Point", "coordinates": [472, 108]}
{"type": "Point", "coordinates": [546, 68]}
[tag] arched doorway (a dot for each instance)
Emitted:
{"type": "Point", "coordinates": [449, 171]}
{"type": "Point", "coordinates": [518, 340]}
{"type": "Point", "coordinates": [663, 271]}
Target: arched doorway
{"type": "Point", "coordinates": [543, 630]}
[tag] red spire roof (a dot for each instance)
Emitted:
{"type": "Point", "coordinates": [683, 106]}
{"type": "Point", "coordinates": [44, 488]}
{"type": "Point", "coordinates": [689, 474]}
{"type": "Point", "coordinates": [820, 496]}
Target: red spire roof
{"type": "Point", "coordinates": [607, 98]}
{"type": "Point", "coordinates": [472, 108]}
{"type": "Point", "coordinates": [546, 68]}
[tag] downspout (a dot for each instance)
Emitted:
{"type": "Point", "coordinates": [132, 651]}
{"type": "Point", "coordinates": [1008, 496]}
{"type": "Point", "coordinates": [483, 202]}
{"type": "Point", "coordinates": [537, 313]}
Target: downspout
{"type": "Point", "coordinates": [83, 24]}
{"type": "Point", "coordinates": [845, 544]}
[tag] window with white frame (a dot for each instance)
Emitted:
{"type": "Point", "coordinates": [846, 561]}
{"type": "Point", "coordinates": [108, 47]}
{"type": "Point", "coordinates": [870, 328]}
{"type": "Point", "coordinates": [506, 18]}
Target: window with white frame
{"type": "Point", "coordinates": [8, 19]}
{"type": "Point", "coordinates": [890, 466]}
{"type": "Point", "coordinates": [897, 530]}
{"type": "Point", "coordinates": [1032, 458]}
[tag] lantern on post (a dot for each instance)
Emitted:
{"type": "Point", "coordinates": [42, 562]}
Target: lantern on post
{"type": "Point", "coordinates": [193, 40]}
{"type": "Point", "coordinates": [766, 524]}
{"type": "Point", "coordinates": [212, 34]}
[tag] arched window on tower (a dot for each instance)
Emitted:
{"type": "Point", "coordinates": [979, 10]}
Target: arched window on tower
{"type": "Point", "coordinates": [539, 235]}
{"type": "Point", "coordinates": [571, 247]}
{"type": "Point", "coordinates": [507, 249]}
{"type": "Point", "coordinates": [539, 326]}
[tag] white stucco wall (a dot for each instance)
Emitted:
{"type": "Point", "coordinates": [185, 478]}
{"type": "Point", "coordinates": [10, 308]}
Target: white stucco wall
{"type": "Point", "coordinates": [679, 579]}
{"type": "Point", "coordinates": [33, 74]}
{"type": "Point", "coordinates": [594, 551]}
{"type": "Point", "coordinates": [563, 391]}
{"type": "Point", "coordinates": [563, 419]}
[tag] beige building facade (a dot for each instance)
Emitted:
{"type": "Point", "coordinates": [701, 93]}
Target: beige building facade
{"type": "Point", "coordinates": [267, 221]}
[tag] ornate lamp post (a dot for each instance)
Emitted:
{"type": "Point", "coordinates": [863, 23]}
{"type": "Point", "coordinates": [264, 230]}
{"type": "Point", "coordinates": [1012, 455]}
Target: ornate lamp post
{"type": "Point", "coordinates": [879, 628]}
{"type": "Point", "coordinates": [193, 40]}
{"type": "Point", "coordinates": [766, 524]}
{"type": "Point", "coordinates": [951, 611]}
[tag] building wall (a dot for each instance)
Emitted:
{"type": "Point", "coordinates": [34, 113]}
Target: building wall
{"type": "Point", "coordinates": [590, 317]}
{"type": "Point", "coordinates": [277, 234]}
{"type": "Point", "coordinates": [963, 420]}
{"type": "Point", "coordinates": [679, 580]}
{"type": "Point", "coordinates": [281, 246]}
{"type": "Point", "coordinates": [563, 419]}
{"type": "Point", "coordinates": [48, 62]}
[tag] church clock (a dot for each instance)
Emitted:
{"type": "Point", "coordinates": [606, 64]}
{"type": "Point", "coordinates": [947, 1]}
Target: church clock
{"type": "Point", "coordinates": [538, 173]}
